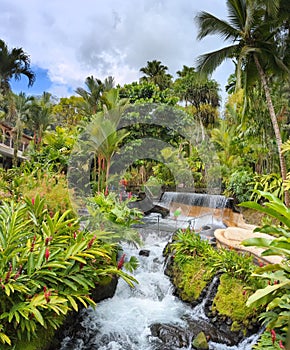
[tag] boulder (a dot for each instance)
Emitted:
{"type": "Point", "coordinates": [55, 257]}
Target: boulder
{"type": "Point", "coordinates": [144, 252]}
{"type": "Point", "coordinates": [200, 342]}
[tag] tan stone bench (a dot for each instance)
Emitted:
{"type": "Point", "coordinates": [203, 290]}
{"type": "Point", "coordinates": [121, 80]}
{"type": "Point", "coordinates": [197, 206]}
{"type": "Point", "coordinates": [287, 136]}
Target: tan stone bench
{"type": "Point", "coordinates": [233, 236]}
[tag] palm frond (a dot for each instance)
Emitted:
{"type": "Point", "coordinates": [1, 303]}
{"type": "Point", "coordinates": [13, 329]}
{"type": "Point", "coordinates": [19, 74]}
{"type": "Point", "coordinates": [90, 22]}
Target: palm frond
{"type": "Point", "coordinates": [211, 25]}
{"type": "Point", "coordinates": [237, 13]}
{"type": "Point", "coordinates": [210, 61]}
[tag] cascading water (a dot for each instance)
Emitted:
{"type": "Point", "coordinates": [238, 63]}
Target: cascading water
{"type": "Point", "coordinates": [133, 318]}
{"type": "Point", "coordinates": [196, 209]}
{"type": "Point", "coordinates": [194, 199]}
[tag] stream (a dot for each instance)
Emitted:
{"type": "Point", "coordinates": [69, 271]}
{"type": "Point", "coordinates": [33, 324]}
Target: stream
{"type": "Point", "coordinates": [133, 318]}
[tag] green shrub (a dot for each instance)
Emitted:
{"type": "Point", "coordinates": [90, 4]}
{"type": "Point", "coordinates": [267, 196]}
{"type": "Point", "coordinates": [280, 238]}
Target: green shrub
{"type": "Point", "coordinates": [271, 183]}
{"type": "Point", "coordinates": [187, 245]}
{"type": "Point", "coordinates": [270, 341]}
{"type": "Point", "coordinates": [47, 267]}
{"type": "Point", "coordinates": [276, 295]}
{"type": "Point", "coordinates": [240, 185]}
{"type": "Point", "coordinates": [115, 216]}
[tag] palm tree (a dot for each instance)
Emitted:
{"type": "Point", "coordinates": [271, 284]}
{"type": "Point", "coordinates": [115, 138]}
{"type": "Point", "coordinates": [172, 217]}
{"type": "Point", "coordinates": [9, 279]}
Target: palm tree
{"type": "Point", "coordinates": [185, 71]}
{"type": "Point", "coordinates": [13, 64]}
{"type": "Point", "coordinates": [92, 95]}
{"type": "Point", "coordinates": [40, 116]}
{"type": "Point", "coordinates": [251, 29]}
{"type": "Point", "coordinates": [199, 91]}
{"type": "Point", "coordinates": [102, 137]}
{"type": "Point", "coordinates": [155, 72]}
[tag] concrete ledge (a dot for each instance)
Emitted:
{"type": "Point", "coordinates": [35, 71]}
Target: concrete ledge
{"type": "Point", "coordinates": [231, 237]}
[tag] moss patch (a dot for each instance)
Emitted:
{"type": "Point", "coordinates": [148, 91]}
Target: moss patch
{"type": "Point", "coordinates": [230, 301]}
{"type": "Point", "coordinates": [191, 278]}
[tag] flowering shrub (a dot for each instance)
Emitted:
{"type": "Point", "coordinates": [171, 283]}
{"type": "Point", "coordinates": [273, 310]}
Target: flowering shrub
{"type": "Point", "coordinates": [47, 267]}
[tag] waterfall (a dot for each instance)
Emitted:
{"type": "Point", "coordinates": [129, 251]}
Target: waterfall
{"type": "Point", "coordinates": [137, 318]}
{"type": "Point", "coordinates": [194, 199]}
{"type": "Point", "coordinates": [199, 310]}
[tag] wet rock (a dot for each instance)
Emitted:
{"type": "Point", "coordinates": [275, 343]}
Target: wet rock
{"type": "Point", "coordinates": [170, 335]}
{"type": "Point", "coordinates": [146, 205]}
{"type": "Point", "coordinates": [212, 332]}
{"type": "Point", "coordinates": [105, 291]}
{"type": "Point", "coordinates": [200, 342]}
{"type": "Point", "coordinates": [178, 337]}
{"type": "Point", "coordinates": [144, 252]}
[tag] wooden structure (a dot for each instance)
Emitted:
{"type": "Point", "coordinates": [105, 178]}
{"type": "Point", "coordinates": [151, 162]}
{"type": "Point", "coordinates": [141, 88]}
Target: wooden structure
{"type": "Point", "coordinates": [7, 146]}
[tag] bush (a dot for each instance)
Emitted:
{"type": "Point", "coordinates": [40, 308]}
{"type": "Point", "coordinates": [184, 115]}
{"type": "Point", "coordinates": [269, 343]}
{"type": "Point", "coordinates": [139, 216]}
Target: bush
{"type": "Point", "coordinates": [47, 267]}
{"type": "Point", "coordinates": [240, 185]}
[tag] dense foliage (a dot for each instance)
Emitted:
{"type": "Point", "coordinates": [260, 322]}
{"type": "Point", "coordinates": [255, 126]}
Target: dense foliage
{"type": "Point", "coordinates": [276, 295]}
{"type": "Point", "coordinates": [196, 262]}
{"type": "Point", "coordinates": [47, 267]}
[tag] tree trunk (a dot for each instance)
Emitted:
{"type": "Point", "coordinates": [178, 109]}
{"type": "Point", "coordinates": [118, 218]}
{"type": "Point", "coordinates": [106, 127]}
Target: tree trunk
{"type": "Point", "coordinates": [15, 148]}
{"type": "Point", "coordinates": [275, 126]}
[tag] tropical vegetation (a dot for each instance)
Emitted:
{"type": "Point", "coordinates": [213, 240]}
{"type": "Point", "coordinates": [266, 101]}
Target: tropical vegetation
{"type": "Point", "coordinates": [275, 296]}
{"type": "Point", "coordinates": [107, 143]}
{"type": "Point", "coordinates": [194, 263]}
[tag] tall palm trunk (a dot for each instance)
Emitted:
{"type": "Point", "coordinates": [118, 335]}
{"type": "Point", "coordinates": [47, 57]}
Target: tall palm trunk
{"type": "Point", "coordinates": [275, 126]}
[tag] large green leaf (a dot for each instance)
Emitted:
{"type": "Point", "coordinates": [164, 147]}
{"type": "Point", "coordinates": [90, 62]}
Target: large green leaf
{"type": "Point", "coordinates": [275, 208]}
{"type": "Point", "coordinates": [260, 296]}
{"type": "Point", "coordinates": [257, 242]}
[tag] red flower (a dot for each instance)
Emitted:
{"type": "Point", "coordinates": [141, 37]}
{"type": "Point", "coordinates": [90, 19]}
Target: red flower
{"type": "Point", "coordinates": [47, 296]}
{"type": "Point", "coordinates": [244, 292]}
{"type": "Point", "coordinates": [281, 345]}
{"type": "Point", "coordinates": [18, 272]}
{"type": "Point", "coordinates": [121, 262]}
{"type": "Point", "coordinates": [8, 273]}
{"type": "Point", "coordinates": [91, 242]}
{"type": "Point", "coordinates": [47, 240]}
{"type": "Point", "coordinates": [33, 201]}
{"type": "Point", "coordinates": [47, 254]}
{"type": "Point", "coordinates": [33, 243]}
{"type": "Point", "coordinates": [106, 191]}
{"type": "Point", "coordinates": [273, 335]}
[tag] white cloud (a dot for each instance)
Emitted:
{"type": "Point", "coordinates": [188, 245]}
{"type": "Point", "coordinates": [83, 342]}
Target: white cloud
{"type": "Point", "coordinates": [73, 39]}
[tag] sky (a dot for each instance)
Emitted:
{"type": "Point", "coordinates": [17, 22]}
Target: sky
{"type": "Point", "coordinates": [69, 40]}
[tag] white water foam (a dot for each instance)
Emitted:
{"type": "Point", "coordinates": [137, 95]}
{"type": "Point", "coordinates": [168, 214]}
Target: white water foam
{"type": "Point", "coordinates": [123, 322]}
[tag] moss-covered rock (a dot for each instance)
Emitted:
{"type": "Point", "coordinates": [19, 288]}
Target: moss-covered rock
{"type": "Point", "coordinates": [230, 301]}
{"type": "Point", "coordinates": [193, 265]}
{"type": "Point", "coordinates": [200, 342]}
{"type": "Point", "coordinates": [190, 279]}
